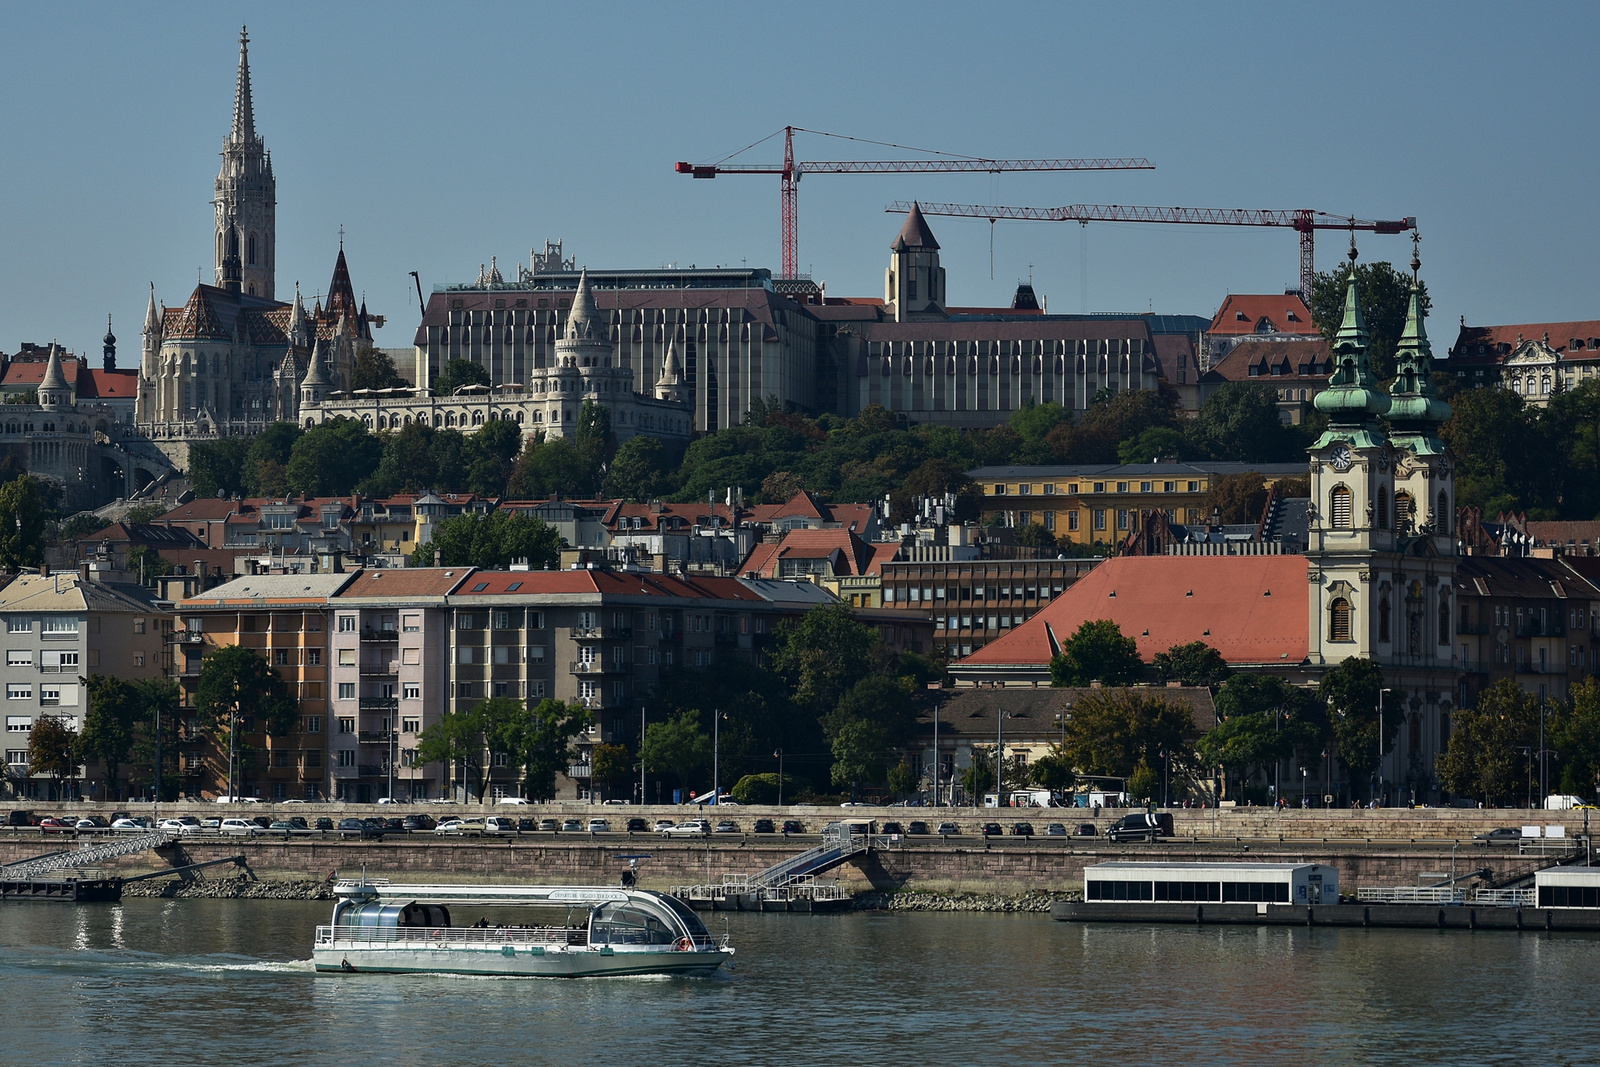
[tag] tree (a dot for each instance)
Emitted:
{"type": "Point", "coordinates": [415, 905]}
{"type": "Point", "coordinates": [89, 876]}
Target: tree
{"type": "Point", "coordinates": [777, 488]}
{"type": "Point", "coordinates": [1495, 440]}
{"type": "Point", "coordinates": [1245, 741]}
{"type": "Point", "coordinates": [1483, 758]}
{"type": "Point", "coordinates": [53, 749]}
{"type": "Point", "coordinates": [639, 470]}
{"type": "Point", "coordinates": [148, 564]}
{"type": "Point", "coordinates": [763, 788]}
{"type": "Point", "coordinates": [1112, 730]}
{"type": "Point", "coordinates": [78, 527]}
{"type": "Point", "coordinates": [824, 654]}
{"type": "Point", "coordinates": [1240, 422]}
{"type": "Point", "coordinates": [902, 779]}
{"type": "Point", "coordinates": [1575, 735]}
{"type": "Point", "coordinates": [1195, 663]}
{"type": "Point", "coordinates": [978, 778]}
{"type": "Point", "coordinates": [1097, 652]}
{"type": "Point", "coordinates": [1053, 771]}
{"type": "Point", "coordinates": [544, 744]}
{"type": "Point", "coordinates": [157, 702]}
{"type": "Point", "coordinates": [490, 455]}
{"type": "Point", "coordinates": [264, 471]}
{"type": "Point", "coordinates": [108, 726]}
{"type": "Point", "coordinates": [678, 746]}
{"type": "Point", "coordinates": [593, 438]}
{"type": "Point", "coordinates": [858, 754]}
{"type": "Point", "coordinates": [884, 702]}
{"type": "Point", "coordinates": [1034, 535]}
{"type": "Point", "coordinates": [1236, 498]}
{"type": "Point", "coordinates": [22, 524]}
{"type": "Point", "coordinates": [1152, 445]}
{"type": "Point", "coordinates": [492, 542]}
{"type": "Point", "coordinates": [140, 514]}
{"type": "Point", "coordinates": [218, 467]}
{"type": "Point", "coordinates": [1385, 296]}
{"type": "Point", "coordinates": [456, 373]}
{"type": "Point", "coordinates": [331, 458]}
{"type": "Point", "coordinates": [611, 765]}
{"type": "Point", "coordinates": [375, 370]}
{"type": "Point", "coordinates": [1350, 692]}
{"type": "Point", "coordinates": [456, 739]}
{"type": "Point", "coordinates": [235, 685]}
{"type": "Point", "coordinates": [553, 468]}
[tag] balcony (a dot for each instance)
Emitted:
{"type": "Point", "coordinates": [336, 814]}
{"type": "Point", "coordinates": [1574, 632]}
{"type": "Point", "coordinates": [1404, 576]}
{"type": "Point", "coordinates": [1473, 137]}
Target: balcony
{"type": "Point", "coordinates": [188, 637]}
{"type": "Point", "coordinates": [596, 703]}
{"type": "Point", "coordinates": [727, 639]}
{"type": "Point", "coordinates": [373, 770]}
{"type": "Point", "coordinates": [385, 669]}
{"type": "Point", "coordinates": [594, 666]}
{"type": "Point", "coordinates": [369, 633]}
{"type": "Point", "coordinates": [601, 633]}
{"type": "Point", "coordinates": [379, 703]}
{"type": "Point", "coordinates": [579, 770]}
{"type": "Point", "coordinates": [375, 737]}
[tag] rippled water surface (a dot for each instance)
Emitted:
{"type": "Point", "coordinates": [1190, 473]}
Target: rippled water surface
{"type": "Point", "coordinates": [201, 982]}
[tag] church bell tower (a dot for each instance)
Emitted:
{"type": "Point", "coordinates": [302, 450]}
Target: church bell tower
{"type": "Point", "coordinates": [246, 198]}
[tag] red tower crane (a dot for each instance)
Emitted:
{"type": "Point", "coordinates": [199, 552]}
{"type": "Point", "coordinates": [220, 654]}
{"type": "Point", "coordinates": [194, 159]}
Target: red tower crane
{"type": "Point", "coordinates": [790, 171]}
{"type": "Point", "coordinates": [1304, 220]}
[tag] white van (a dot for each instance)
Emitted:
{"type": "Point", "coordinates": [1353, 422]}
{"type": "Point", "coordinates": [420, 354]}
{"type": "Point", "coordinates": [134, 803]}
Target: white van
{"type": "Point", "coordinates": [499, 824]}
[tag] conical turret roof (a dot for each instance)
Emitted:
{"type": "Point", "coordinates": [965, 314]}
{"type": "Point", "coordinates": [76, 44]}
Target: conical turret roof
{"type": "Point", "coordinates": [341, 294]}
{"type": "Point", "coordinates": [315, 373]}
{"type": "Point", "coordinates": [671, 366]}
{"type": "Point", "coordinates": [1352, 399]}
{"type": "Point", "coordinates": [152, 317]}
{"type": "Point", "coordinates": [53, 388]}
{"type": "Point", "coordinates": [1415, 411]}
{"type": "Point", "coordinates": [915, 233]}
{"type": "Point", "coordinates": [244, 113]}
{"type": "Point", "coordinates": [583, 322]}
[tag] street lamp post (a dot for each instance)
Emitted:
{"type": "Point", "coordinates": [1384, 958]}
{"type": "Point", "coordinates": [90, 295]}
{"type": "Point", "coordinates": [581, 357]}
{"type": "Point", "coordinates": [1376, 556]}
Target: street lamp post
{"type": "Point", "coordinates": [641, 754]}
{"type": "Point", "coordinates": [1544, 786]}
{"type": "Point", "coordinates": [779, 754]}
{"type": "Point", "coordinates": [936, 755]}
{"type": "Point", "coordinates": [1381, 790]}
{"type": "Point", "coordinates": [716, 755]}
{"type": "Point", "coordinates": [1325, 784]}
{"type": "Point", "coordinates": [999, 755]}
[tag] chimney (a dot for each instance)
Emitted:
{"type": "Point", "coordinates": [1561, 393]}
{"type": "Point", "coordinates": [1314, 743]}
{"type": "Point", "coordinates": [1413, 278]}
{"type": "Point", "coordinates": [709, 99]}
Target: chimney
{"type": "Point", "coordinates": [44, 570]}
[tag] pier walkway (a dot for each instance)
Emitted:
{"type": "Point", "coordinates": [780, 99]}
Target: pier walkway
{"type": "Point", "coordinates": [90, 856]}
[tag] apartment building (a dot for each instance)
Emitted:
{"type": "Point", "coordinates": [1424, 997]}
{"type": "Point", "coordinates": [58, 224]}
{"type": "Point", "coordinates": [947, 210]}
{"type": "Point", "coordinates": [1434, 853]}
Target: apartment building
{"type": "Point", "coordinates": [60, 629]}
{"type": "Point", "coordinates": [1099, 504]}
{"type": "Point", "coordinates": [389, 645]}
{"type": "Point", "coordinates": [1533, 620]}
{"type": "Point", "coordinates": [282, 617]}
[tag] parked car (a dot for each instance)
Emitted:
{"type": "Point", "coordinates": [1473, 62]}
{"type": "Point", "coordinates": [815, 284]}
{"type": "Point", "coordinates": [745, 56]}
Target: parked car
{"type": "Point", "coordinates": [793, 826]}
{"type": "Point", "coordinates": [688, 828]}
{"type": "Point", "coordinates": [1055, 829]}
{"type": "Point", "coordinates": [662, 825]}
{"type": "Point", "coordinates": [763, 826]}
{"type": "Point", "coordinates": [461, 828]}
{"type": "Point", "coordinates": [516, 801]}
{"type": "Point", "coordinates": [549, 824]}
{"type": "Point", "coordinates": [212, 825]}
{"type": "Point", "coordinates": [1141, 826]}
{"type": "Point", "coordinates": [178, 826]}
{"type": "Point", "coordinates": [237, 828]}
{"type": "Point", "coordinates": [21, 817]}
{"type": "Point", "coordinates": [892, 827]}
{"type": "Point", "coordinates": [323, 823]}
{"type": "Point", "coordinates": [599, 826]}
{"type": "Point", "coordinates": [396, 825]}
{"type": "Point", "coordinates": [1500, 835]}
{"type": "Point", "coordinates": [417, 824]}
{"type": "Point", "coordinates": [916, 828]}
{"type": "Point", "coordinates": [1022, 829]}
{"type": "Point", "coordinates": [500, 824]}
{"type": "Point", "coordinates": [52, 824]}
{"type": "Point", "coordinates": [282, 826]}
{"type": "Point", "coordinates": [637, 825]}
{"type": "Point", "coordinates": [571, 826]}
{"type": "Point", "coordinates": [948, 828]}
{"type": "Point", "coordinates": [1086, 829]}
{"type": "Point", "coordinates": [527, 824]}
{"type": "Point", "coordinates": [135, 825]}
{"type": "Point", "coordinates": [96, 822]}
{"type": "Point", "coordinates": [364, 828]}
{"type": "Point", "coordinates": [262, 821]}
{"type": "Point", "coordinates": [992, 829]}
{"type": "Point", "coordinates": [726, 826]}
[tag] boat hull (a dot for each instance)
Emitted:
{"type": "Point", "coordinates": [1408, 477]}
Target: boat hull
{"type": "Point", "coordinates": [511, 960]}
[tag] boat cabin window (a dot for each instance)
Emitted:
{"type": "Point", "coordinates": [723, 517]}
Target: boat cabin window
{"type": "Point", "coordinates": [691, 922]}
{"type": "Point", "coordinates": [435, 915]}
{"type": "Point", "coordinates": [624, 924]}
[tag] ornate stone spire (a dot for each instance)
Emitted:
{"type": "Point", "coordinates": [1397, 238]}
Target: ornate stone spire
{"type": "Point", "coordinates": [670, 385]}
{"type": "Point", "coordinates": [108, 347]}
{"type": "Point", "coordinates": [244, 114]}
{"type": "Point", "coordinates": [1352, 400]}
{"type": "Point", "coordinates": [152, 317]}
{"type": "Point", "coordinates": [1415, 411]}
{"type": "Point", "coordinates": [583, 323]}
{"type": "Point", "coordinates": [54, 393]}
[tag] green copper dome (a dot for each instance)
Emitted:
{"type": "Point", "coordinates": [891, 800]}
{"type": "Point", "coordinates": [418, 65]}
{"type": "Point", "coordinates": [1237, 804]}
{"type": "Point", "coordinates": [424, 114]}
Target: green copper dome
{"type": "Point", "coordinates": [1352, 398]}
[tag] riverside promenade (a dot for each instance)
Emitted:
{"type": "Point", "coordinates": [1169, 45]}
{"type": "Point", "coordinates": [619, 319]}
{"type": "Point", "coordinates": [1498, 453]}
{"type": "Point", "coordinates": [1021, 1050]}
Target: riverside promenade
{"type": "Point", "coordinates": [1385, 847]}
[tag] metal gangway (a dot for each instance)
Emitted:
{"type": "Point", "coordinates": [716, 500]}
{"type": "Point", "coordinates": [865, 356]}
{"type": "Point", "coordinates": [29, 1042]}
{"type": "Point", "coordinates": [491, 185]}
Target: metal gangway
{"type": "Point", "coordinates": [838, 845]}
{"type": "Point", "coordinates": [89, 856]}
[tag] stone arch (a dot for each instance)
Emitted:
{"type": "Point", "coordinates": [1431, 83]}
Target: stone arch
{"type": "Point", "coordinates": [1339, 623]}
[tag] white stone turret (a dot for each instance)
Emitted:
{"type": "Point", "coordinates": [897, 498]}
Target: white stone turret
{"type": "Point", "coordinates": [670, 385]}
{"type": "Point", "coordinates": [54, 392]}
{"type": "Point", "coordinates": [315, 386]}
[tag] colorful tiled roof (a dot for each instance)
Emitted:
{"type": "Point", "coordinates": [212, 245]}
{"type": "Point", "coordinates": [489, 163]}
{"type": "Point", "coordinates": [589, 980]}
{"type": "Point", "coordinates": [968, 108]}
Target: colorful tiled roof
{"type": "Point", "coordinates": [1252, 609]}
{"type": "Point", "coordinates": [1270, 313]}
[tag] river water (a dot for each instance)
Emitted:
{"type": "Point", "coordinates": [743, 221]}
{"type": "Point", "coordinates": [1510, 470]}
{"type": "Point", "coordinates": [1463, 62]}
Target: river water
{"type": "Point", "coordinates": [217, 981]}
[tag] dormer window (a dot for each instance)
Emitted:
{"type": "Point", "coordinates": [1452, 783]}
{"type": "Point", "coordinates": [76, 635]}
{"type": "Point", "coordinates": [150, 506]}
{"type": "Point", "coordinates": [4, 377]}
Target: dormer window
{"type": "Point", "coordinates": [1293, 317]}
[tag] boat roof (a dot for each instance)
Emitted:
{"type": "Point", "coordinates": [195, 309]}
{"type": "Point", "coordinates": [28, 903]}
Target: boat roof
{"type": "Point", "coordinates": [491, 894]}
{"type": "Point", "coordinates": [1118, 867]}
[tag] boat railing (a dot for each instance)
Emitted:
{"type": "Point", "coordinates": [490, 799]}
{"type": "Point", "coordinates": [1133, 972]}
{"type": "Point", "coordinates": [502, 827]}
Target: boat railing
{"type": "Point", "coordinates": [455, 935]}
{"type": "Point", "coordinates": [1410, 895]}
{"type": "Point", "coordinates": [1504, 898]}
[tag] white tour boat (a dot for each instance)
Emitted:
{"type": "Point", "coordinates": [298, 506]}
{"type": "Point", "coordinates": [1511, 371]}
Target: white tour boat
{"type": "Point", "coordinates": [524, 931]}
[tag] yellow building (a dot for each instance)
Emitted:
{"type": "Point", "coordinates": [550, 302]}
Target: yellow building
{"type": "Point", "coordinates": [1091, 503]}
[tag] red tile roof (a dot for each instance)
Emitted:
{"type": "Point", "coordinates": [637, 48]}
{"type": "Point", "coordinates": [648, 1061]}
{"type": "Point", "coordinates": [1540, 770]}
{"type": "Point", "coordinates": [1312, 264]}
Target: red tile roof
{"type": "Point", "coordinates": [1287, 358]}
{"type": "Point", "coordinates": [851, 555]}
{"type": "Point", "coordinates": [1248, 313]}
{"type": "Point", "coordinates": [1561, 334]}
{"type": "Point", "coordinates": [108, 384]}
{"type": "Point", "coordinates": [606, 583]}
{"type": "Point", "coordinates": [407, 581]}
{"type": "Point", "coordinates": [1252, 609]}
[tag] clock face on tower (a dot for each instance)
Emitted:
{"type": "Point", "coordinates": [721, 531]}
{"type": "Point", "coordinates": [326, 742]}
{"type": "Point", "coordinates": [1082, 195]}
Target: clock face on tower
{"type": "Point", "coordinates": [1340, 458]}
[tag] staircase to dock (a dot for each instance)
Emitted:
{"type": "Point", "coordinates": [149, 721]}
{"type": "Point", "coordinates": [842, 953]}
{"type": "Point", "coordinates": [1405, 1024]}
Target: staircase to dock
{"type": "Point", "coordinates": [90, 856]}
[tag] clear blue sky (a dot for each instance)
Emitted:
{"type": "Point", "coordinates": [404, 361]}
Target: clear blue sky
{"type": "Point", "coordinates": [439, 135]}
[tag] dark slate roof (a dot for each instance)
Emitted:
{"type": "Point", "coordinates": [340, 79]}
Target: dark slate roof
{"type": "Point", "coordinates": [341, 294]}
{"type": "Point", "coordinates": [915, 233]}
{"type": "Point", "coordinates": [210, 314]}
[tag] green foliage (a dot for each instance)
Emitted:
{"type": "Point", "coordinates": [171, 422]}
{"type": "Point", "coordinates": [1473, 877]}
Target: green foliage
{"type": "Point", "coordinates": [1350, 692]}
{"type": "Point", "coordinates": [1195, 663]}
{"type": "Point", "coordinates": [1239, 422]}
{"type": "Point", "coordinates": [1097, 652]}
{"type": "Point", "coordinates": [1035, 421]}
{"type": "Point", "coordinates": [858, 754]}
{"type": "Point", "coordinates": [78, 527]}
{"type": "Point", "coordinates": [611, 765]}
{"type": "Point", "coordinates": [217, 467]}
{"type": "Point", "coordinates": [1574, 732]}
{"type": "Point", "coordinates": [1385, 295]}
{"type": "Point", "coordinates": [456, 740]}
{"type": "Point", "coordinates": [490, 456]}
{"type": "Point", "coordinates": [1035, 535]}
{"type": "Point", "coordinates": [1053, 771]}
{"type": "Point", "coordinates": [883, 702]}
{"type": "Point", "coordinates": [639, 470]}
{"type": "Point", "coordinates": [1150, 445]}
{"type": "Point", "coordinates": [978, 778]}
{"type": "Point", "coordinates": [553, 468]}
{"type": "Point", "coordinates": [902, 779]}
{"type": "Point", "coordinates": [333, 457]}
{"type": "Point", "coordinates": [1112, 419]}
{"type": "Point", "coordinates": [1238, 498]}
{"type": "Point", "coordinates": [108, 726]}
{"type": "Point", "coordinates": [542, 745]}
{"type": "Point", "coordinates": [140, 514]}
{"type": "Point", "coordinates": [491, 541]}
{"type": "Point", "coordinates": [22, 524]}
{"type": "Point", "coordinates": [678, 746]}
{"type": "Point", "coordinates": [1144, 784]}
{"type": "Point", "coordinates": [1112, 730]}
{"type": "Point", "coordinates": [824, 654]}
{"type": "Point", "coordinates": [1483, 758]}
{"type": "Point", "coordinates": [156, 701]}
{"type": "Point", "coordinates": [1263, 720]}
{"type": "Point", "coordinates": [148, 563]}
{"type": "Point", "coordinates": [53, 748]}
{"type": "Point", "coordinates": [375, 370]}
{"type": "Point", "coordinates": [456, 373]}
{"type": "Point", "coordinates": [235, 682]}
{"type": "Point", "coordinates": [763, 788]}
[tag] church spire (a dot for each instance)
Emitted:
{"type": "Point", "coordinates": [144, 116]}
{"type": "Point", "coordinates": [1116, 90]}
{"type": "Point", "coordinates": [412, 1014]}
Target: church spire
{"type": "Point", "coordinates": [152, 317]}
{"type": "Point", "coordinates": [1416, 412]}
{"type": "Point", "coordinates": [1352, 400]}
{"type": "Point", "coordinates": [244, 115]}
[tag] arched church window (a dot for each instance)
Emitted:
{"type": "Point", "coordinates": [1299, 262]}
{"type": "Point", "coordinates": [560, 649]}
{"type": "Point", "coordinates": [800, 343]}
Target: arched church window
{"type": "Point", "coordinates": [1444, 621]}
{"type": "Point", "coordinates": [1339, 620]}
{"type": "Point", "coordinates": [1339, 507]}
{"type": "Point", "coordinates": [251, 258]}
{"type": "Point", "coordinates": [1384, 611]}
{"type": "Point", "coordinates": [1383, 507]}
{"type": "Point", "coordinates": [1405, 511]}
{"type": "Point", "coordinates": [1442, 516]}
